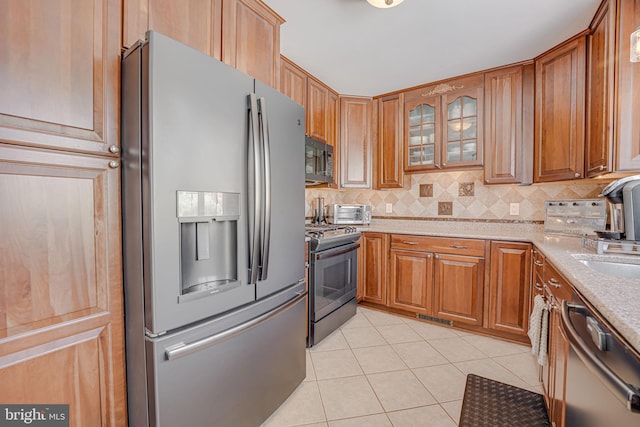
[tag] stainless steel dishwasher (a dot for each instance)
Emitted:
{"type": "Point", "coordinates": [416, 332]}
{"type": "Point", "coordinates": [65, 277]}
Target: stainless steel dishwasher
{"type": "Point", "coordinates": [603, 371]}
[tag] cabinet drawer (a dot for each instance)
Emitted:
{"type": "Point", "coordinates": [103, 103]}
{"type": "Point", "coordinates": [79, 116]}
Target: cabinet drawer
{"type": "Point", "coordinates": [557, 285]}
{"type": "Point", "coordinates": [472, 247]}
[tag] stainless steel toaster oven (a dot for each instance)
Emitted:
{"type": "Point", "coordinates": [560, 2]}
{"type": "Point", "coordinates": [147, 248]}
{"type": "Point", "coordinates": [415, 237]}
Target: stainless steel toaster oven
{"type": "Point", "coordinates": [349, 214]}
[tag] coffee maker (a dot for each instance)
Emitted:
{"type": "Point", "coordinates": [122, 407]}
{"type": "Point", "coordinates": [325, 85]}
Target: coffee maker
{"type": "Point", "coordinates": [623, 199]}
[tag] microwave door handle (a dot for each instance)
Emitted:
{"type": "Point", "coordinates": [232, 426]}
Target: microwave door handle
{"type": "Point", "coordinates": [254, 190]}
{"type": "Point", "coordinates": [266, 215]}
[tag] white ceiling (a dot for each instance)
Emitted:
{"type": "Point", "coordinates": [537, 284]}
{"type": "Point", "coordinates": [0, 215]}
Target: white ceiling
{"type": "Point", "coordinates": [357, 49]}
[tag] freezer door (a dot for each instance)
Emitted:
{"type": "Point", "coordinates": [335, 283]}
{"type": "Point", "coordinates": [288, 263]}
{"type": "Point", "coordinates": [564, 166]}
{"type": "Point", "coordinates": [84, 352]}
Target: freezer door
{"type": "Point", "coordinates": [285, 262]}
{"type": "Point", "coordinates": [193, 167]}
{"type": "Point", "coordinates": [235, 377]}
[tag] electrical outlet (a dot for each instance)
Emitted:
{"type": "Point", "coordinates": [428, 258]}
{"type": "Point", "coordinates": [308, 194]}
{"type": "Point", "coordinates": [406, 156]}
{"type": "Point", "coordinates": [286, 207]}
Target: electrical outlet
{"type": "Point", "coordinates": [514, 208]}
{"type": "Point", "coordinates": [388, 208]}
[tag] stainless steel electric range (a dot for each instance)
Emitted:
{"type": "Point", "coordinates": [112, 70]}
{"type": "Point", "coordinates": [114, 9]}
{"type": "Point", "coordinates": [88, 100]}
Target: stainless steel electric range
{"type": "Point", "coordinates": [333, 274]}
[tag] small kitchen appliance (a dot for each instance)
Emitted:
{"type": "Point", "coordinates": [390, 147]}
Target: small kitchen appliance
{"type": "Point", "coordinates": [623, 199]}
{"type": "Point", "coordinates": [349, 214]}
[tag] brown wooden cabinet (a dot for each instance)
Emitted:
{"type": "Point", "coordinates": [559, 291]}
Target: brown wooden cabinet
{"type": "Point", "coordinates": [444, 125]}
{"type": "Point", "coordinates": [510, 287]}
{"type": "Point", "coordinates": [293, 81]}
{"type": "Point", "coordinates": [411, 281]}
{"type": "Point", "coordinates": [600, 91]}
{"type": "Point", "coordinates": [355, 142]}
{"type": "Point", "coordinates": [197, 23]}
{"type": "Point", "coordinates": [317, 110]}
{"type": "Point", "coordinates": [508, 125]}
{"type": "Point", "coordinates": [59, 74]}
{"type": "Point", "coordinates": [438, 277]}
{"type": "Point", "coordinates": [459, 288]}
{"type": "Point", "coordinates": [61, 295]}
{"type": "Point", "coordinates": [375, 254]}
{"type": "Point", "coordinates": [627, 92]}
{"type": "Point", "coordinates": [559, 112]}
{"type": "Point", "coordinates": [388, 166]}
{"type": "Point", "coordinates": [557, 289]}
{"type": "Point", "coordinates": [243, 33]}
{"type": "Point", "coordinates": [251, 39]}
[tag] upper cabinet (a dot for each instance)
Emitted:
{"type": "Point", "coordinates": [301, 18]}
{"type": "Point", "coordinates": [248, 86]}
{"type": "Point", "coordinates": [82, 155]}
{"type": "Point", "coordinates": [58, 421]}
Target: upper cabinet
{"type": "Point", "coordinates": [559, 112]}
{"type": "Point", "coordinates": [387, 153]}
{"type": "Point", "coordinates": [59, 74]}
{"type": "Point", "coordinates": [508, 125]}
{"type": "Point", "coordinates": [443, 125]}
{"type": "Point", "coordinates": [251, 39]}
{"type": "Point", "coordinates": [197, 23]}
{"type": "Point", "coordinates": [355, 142]}
{"type": "Point", "coordinates": [317, 110]}
{"type": "Point", "coordinates": [293, 81]}
{"type": "Point", "coordinates": [600, 91]}
{"type": "Point", "coordinates": [627, 131]}
{"type": "Point", "coordinates": [243, 33]}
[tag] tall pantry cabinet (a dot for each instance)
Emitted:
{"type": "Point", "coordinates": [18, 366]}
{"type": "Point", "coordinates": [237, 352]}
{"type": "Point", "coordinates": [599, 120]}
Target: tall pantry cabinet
{"type": "Point", "coordinates": [61, 298]}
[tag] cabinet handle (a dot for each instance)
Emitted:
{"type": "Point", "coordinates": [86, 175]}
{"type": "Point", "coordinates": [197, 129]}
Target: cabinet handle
{"type": "Point", "coordinates": [553, 282]}
{"type": "Point", "coordinates": [114, 149]}
{"type": "Point", "coordinates": [538, 263]}
{"type": "Point", "coordinates": [459, 247]}
{"type": "Point", "coordinates": [538, 286]}
{"type": "Point", "coordinates": [438, 165]}
{"type": "Point", "coordinates": [406, 242]}
{"type": "Point", "coordinates": [603, 168]}
{"type": "Point", "coordinates": [114, 164]}
{"type": "Point", "coordinates": [444, 163]}
{"type": "Point", "coordinates": [577, 175]}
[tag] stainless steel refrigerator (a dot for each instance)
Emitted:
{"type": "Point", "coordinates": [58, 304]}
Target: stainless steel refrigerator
{"type": "Point", "coordinates": [213, 239]}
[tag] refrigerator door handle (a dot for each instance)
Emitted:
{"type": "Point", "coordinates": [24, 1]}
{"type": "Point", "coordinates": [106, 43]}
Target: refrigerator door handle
{"type": "Point", "coordinates": [255, 189]}
{"type": "Point", "coordinates": [266, 158]}
{"type": "Point", "coordinates": [181, 349]}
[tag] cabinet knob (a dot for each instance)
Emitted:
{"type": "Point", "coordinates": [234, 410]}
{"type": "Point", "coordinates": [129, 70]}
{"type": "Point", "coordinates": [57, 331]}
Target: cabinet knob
{"type": "Point", "coordinates": [114, 149]}
{"type": "Point", "coordinates": [114, 164]}
{"type": "Point", "coordinates": [436, 256]}
{"type": "Point", "coordinates": [437, 165]}
{"type": "Point", "coordinates": [603, 168]}
{"type": "Point", "coordinates": [577, 175]}
{"type": "Point", "coordinates": [428, 256]}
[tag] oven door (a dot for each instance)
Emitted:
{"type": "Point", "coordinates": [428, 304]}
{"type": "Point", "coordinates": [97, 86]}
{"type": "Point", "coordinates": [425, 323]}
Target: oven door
{"type": "Point", "coordinates": [334, 276]}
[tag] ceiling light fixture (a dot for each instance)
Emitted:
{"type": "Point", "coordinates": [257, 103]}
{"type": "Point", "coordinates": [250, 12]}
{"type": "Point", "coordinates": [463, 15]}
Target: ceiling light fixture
{"type": "Point", "coordinates": [383, 4]}
{"type": "Point", "coordinates": [635, 45]}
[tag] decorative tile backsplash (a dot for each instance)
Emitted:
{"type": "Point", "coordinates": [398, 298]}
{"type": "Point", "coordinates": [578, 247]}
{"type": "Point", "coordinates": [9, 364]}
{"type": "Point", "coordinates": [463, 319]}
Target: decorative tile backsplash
{"type": "Point", "coordinates": [470, 197]}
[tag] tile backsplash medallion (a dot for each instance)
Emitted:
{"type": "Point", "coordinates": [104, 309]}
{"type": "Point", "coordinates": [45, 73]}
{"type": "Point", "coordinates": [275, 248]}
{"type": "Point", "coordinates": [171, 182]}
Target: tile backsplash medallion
{"type": "Point", "coordinates": [476, 201]}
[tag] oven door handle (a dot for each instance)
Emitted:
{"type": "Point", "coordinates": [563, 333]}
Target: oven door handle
{"type": "Point", "coordinates": [330, 253]}
{"type": "Point", "coordinates": [627, 393]}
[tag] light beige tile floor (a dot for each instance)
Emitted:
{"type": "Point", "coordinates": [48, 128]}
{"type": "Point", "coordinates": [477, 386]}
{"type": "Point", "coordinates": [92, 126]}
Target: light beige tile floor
{"type": "Point", "coordinates": [384, 370]}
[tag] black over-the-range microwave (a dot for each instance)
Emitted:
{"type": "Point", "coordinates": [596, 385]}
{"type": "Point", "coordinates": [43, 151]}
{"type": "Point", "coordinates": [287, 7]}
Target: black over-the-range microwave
{"type": "Point", "coordinates": [318, 158]}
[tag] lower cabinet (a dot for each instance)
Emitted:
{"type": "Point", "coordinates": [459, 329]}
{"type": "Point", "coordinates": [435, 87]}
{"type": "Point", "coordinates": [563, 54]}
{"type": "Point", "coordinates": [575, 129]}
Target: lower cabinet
{"type": "Point", "coordinates": [509, 287]}
{"type": "Point", "coordinates": [411, 281]}
{"type": "Point", "coordinates": [437, 277]}
{"type": "Point", "coordinates": [459, 283]}
{"type": "Point", "coordinates": [372, 278]}
{"type": "Point", "coordinates": [449, 279]}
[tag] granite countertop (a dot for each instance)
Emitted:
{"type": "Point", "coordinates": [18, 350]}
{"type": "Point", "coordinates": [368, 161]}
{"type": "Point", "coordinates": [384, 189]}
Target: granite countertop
{"type": "Point", "coordinates": [617, 299]}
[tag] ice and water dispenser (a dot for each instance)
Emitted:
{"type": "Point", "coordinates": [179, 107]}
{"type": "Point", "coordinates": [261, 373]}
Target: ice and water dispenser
{"type": "Point", "coordinates": [208, 242]}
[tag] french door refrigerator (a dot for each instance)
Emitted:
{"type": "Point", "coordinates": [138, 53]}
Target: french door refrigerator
{"type": "Point", "coordinates": [213, 235]}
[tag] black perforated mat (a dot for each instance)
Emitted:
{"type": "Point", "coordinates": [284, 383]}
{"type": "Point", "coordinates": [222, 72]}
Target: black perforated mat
{"type": "Point", "coordinates": [489, 403]}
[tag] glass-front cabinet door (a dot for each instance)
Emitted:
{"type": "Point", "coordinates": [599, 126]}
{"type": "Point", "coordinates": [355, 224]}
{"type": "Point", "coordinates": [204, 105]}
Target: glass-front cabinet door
{"type": "Point", "coordinates": [423, 134]}
{"type": "Point", "coordinates": [462, 142]}
{"type": "Point", "coordinates": [443, 125]}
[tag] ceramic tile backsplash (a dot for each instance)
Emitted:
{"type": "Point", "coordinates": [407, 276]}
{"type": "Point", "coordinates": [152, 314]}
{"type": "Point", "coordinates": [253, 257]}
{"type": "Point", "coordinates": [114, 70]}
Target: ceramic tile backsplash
{"type": "Point", "coordinates": [487, 201]}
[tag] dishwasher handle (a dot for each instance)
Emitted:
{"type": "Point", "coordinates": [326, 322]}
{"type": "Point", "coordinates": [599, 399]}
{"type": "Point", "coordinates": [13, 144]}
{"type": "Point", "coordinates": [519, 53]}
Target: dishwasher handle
{"type": "Point", "coordinates": [182, 349]}
{"type": "Point", "coordinates": [627, 393]}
